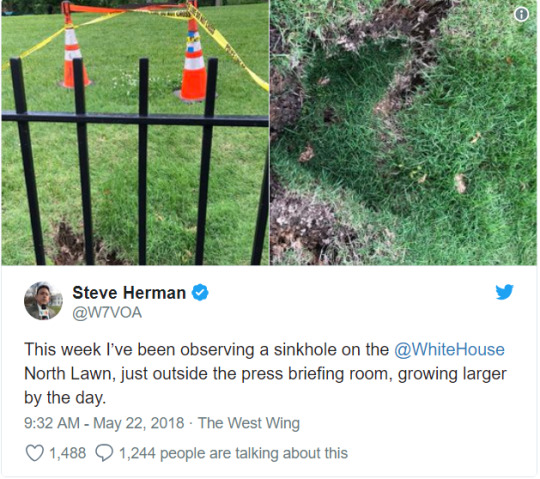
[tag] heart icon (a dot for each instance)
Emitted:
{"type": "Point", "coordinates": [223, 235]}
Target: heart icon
{"type": "Point", "coordinates": [34, 452]}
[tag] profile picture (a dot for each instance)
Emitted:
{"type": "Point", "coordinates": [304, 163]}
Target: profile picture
{"type": "Point", "coordinates": [43, 301]}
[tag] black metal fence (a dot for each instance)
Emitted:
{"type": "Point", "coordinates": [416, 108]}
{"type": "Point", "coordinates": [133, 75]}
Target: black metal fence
{"type": "Point", "coordinates": [23, 118]}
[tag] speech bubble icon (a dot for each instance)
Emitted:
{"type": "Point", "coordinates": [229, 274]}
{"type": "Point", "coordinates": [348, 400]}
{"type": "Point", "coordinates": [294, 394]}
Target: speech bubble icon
{"type": "Point", "coordinates": [104, 451]}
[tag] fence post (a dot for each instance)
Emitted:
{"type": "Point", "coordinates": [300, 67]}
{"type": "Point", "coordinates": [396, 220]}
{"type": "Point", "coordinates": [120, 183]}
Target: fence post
{"type": "Point", "coordinates": [82, 139]}
{"type": "Point", "coordinates": [262, 217]}
{"type": "Point", "coordinates": [143, 119]}
{"type": "Point", "coordinates": [209, 107]}
{"type": "Point", "coordinates": [28, 159]}
{"type": "Point", "coordinates": [143, 157]}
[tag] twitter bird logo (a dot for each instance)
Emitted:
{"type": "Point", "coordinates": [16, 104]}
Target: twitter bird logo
{"type": "Point", "coordinates": [504, 293]}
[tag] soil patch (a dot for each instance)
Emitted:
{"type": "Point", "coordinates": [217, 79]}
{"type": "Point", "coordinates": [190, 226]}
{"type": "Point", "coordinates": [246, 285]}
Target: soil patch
{"type": "Point", "coordinates": [311, 232]}
{"type": "Point", "coordinates": [419, 23]}
{"type": "Point", "coordinates": [285, 103]}
{"type": "Point", "coordinates": [71, 249]}
{"type": "Point", "coordinates": [287, 93]}
{"type": "Point", "coordinates": [418, 20]}
{"type": "Point", "coordinates": [307, 227]}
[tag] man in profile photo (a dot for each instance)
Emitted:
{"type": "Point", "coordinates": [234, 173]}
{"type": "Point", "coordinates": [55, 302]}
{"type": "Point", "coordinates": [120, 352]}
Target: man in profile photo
{"type": "Point", "coordinates": [40, 308]}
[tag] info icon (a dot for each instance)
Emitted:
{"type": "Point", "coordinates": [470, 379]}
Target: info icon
{"type": "Point", "coordinates": [521, 14]}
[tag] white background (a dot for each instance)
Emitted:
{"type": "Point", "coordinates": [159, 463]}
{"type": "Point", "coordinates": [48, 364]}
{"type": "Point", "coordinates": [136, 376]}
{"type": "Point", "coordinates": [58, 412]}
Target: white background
{"type": "Point", "coordinates": [389, 429]}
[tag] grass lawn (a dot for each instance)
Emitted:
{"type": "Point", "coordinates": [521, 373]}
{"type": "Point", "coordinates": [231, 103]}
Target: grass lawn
{"type": "Point", "coordinates": [307, 24]}
{"type": "Point", "coordinates": [471, 125]}
{"type": "Point", "coordinates": [111, 51]}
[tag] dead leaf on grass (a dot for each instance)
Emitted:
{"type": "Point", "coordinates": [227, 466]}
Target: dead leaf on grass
{"type": "Point", "coordinates": [461, 186]}
{"type": "Point", "coordinates": [307, 155]}
{"type": "Point", "coordinates": [476, 137]}
{"type": "Point", "coordinates": [423, 179]}
{"type": "Point", "coordinates": [509, 60]}
{"type": "Point", "coordinates": [323, 81]}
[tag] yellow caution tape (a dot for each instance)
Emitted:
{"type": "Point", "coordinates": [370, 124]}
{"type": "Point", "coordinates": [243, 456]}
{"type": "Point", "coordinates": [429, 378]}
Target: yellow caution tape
{"type": "Point", "coordinates": [100, 19]}
{"type": "Point", "coordinates": [211, 30]}
{"type": "Point", "coordinates": [48, 40]}
{"type": "Point", "coordinates": [223, 43]}
{"type": "Point", "coordinates": [179, 15]}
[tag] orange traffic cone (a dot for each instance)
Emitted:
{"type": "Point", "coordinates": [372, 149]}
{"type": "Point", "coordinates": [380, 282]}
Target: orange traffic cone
{"type": "Point", "coordinates": [194, 77]}
{"type": "Point", "coordinates": [72, 51]}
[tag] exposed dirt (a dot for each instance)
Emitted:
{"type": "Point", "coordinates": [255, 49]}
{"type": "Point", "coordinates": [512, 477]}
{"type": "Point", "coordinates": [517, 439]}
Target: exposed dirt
{"type": "Point", "coordinates": [310, 230]}
{"type": "Point", "coordinates": [330, 115]}
{"type": "Point", "coordinates": [417, 19]}
{"type": "Point", "coordinates": [287, 92]}
{"type": "Point", "coordinates": [286, 102]}
{"type": "Point", "coordinates": [419, 24]}
{"type": "Point", "coordinates": [71, 249]}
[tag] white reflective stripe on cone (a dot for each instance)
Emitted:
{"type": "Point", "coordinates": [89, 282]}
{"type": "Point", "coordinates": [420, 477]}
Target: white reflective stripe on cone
{"type": "Point", "coordinates": [71, 54]}
{"type": "Point", "coordinates": [71, 39]}
{"type": "Point", "coordinates": [194, 63]}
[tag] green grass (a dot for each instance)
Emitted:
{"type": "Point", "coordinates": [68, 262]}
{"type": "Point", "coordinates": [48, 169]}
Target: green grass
{"type": "Point", "coordinates": [306, 25]}
{"type": "Point", "coordinates": [111, 51]}
{"type": "Point", "coordinates": [484, 81]}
